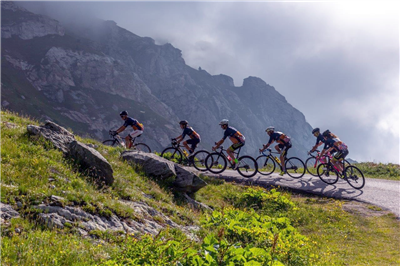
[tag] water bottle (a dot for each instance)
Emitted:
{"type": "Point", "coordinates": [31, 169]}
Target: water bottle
{"type": "Point", "coordinates": [277, 159]}
{"type": "Point", "coordinates": [229, 158]}
{"type": "Point", "coordinates": [185, 152]}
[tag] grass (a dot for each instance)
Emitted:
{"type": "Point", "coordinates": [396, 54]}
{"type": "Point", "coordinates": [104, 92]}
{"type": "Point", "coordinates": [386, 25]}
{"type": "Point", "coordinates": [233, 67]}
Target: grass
{"type": "Point", "coordinates": [32, 171]}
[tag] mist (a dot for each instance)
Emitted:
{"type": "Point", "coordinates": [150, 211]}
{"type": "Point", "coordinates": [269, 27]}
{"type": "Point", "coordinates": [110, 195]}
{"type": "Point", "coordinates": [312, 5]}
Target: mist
{"type": "Point", "coordinates": [337, 63]}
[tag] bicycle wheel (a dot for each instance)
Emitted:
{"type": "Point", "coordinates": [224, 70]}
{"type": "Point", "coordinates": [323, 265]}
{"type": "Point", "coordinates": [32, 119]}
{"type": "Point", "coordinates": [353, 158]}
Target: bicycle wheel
{"type": "Point", "coordinates": [172, 154]}
{"type": "Point", "coordinates": [199, 160]}
{"type": "Point", "coordinates": [111, 142]}
{"type": "Point", "coordinates": [141, 147]}
{"type": "Point", "coordinates": [247, 166]}
{"type": "Point", "coordinates": [310, 162]}
{"type": "Point", "coordinates": [354, 177]}
{"type": "Point", "coordinates": [216, 163]}
{"type": "Point", "coordinates": [295, 167]}
{"type": "Point", "coordinates": [266, 165]}
{"type": "Point", "coordinates": [326, 174]}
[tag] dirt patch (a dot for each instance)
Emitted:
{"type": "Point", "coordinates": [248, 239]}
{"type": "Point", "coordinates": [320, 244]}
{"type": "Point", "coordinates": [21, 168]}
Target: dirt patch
{"type": "Point", "coordinates": [364, 209]}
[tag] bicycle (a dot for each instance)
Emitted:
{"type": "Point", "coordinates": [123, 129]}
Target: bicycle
{"type": "Point", "coordinates": [267, 163]}
{"type": "Point", "coordinates": [330, 174]}
{"type": "Point", "coordinates": [216, 163]}
{"type": "Point", "coordinates": [118, 141]}
{"type": "Point", "coordinates": [179, 155]}
{"type": "Point", "coordinates": [314, 161]}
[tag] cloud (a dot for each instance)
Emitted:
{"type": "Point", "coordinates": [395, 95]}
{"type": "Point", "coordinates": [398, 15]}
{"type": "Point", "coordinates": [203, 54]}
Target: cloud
{"type": "Point", "coordinates": [337, 62]}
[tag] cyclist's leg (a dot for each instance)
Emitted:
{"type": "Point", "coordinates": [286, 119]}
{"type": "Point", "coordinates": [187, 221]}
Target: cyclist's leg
{"type": "Point", "coordinates": [336, 160]}
{"type": "Point", "coordinates": [284, 154]}
{"type": "Point", "coordinates": [231, 150]}
{"type": "Point", "coordinates": [133, 135]}
{"type": "Point", "coordinates": [280, 148]}
{"type": "Point", "coordinates": [185, 144]}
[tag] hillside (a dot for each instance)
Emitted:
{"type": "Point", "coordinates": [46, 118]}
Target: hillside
{"type": "Point", "coordinates": [247, 224]}
{"type": "Point", "coordinates": [82, 76]}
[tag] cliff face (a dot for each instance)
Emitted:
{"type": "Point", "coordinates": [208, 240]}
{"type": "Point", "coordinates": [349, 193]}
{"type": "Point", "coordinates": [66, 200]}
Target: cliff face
{"type": "Point", "coordinates": [82, 77]}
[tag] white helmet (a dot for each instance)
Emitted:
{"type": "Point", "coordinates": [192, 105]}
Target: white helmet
{"type": "Point", "coordinates": [224, 122]}
{"type": "Point", "coordinates": [269, 129]}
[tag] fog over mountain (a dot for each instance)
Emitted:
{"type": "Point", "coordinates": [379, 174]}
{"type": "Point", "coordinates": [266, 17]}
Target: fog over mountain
{"type": "Point", "coordinates": [335, 62]}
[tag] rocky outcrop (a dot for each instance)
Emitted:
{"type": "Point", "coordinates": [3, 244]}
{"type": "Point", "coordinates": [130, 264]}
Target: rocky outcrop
{"type": "Point", "coordinates": [158, 167]}
{"type": "Point", "coordinates": [29, 27]}
{"type": "Point", "coordinates": [84, 222]}
{"type": "Point", "coordinates": [90, 161]}
{"type": "Point", "coordinates": [7, 212]}
{"type": "Point", "coordinates": [91, 75]}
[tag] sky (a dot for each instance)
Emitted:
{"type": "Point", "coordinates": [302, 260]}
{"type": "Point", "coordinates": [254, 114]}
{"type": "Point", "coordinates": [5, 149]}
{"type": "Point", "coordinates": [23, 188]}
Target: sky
{"type": "Point", "coordinates": [337, 62]}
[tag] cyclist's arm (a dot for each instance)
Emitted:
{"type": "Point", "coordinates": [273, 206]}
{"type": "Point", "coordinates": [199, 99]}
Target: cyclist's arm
{"type": "Point", "coordinates": [316, 146]}
{"type": "Point", "coordinates": [218, 144]}
{"type": "Point", "coordinates": [179, 139]}
{"type": "Point", "coordinates": [119, 130]}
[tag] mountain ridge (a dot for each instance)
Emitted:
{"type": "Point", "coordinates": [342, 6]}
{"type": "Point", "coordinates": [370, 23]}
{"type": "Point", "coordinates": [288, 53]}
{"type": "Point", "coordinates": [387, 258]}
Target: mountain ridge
{"type": "Point", "coordinates": [72, 66]}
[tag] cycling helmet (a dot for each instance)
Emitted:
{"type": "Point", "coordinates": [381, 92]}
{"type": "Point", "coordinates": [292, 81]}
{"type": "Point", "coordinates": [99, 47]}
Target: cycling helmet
{"type": "Point", "coordinates": [183, 122]}
{"type": "Point", "coordinates": [269, 129]}
{"type": "Point", "coordinates": [315, 130]}
{"type": "Point", "coordinates": [326, 133]}
{"type": "Point", "coordinates": [224, 122]}
{"type": "Point", "coordinates": [123, 113]}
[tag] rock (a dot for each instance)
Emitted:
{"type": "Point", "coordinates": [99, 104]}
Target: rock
{"type": "Point", "coordinates": [153, 165]}
{"type": "Point", "coordinates": [186, 181]}
{"type": "Point", "coordinates": [158, 167]}
{"type": "Point", "coordinates": [59, 136]}
{"type": "Point", "coordinates": [19, 204]}
{"type": "Point", "coordinates": [57, 201]}
{"type": "Point", "coordinates": [91, 162]}
{"type": "Point", "coordinates": [7, 212]}
{"type": "Point", "coordinates": [58, 217]}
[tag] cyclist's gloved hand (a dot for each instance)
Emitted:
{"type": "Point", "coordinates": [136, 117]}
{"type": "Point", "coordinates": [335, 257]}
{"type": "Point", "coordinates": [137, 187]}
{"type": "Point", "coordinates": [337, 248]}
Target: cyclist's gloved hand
{"type": "Point", "coordinates": [114, 133]}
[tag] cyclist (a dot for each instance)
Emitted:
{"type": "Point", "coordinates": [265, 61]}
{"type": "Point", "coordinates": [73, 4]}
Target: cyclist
{"type": "Point", "coordinates": [284, 144]}
{"type": "Point", "coordinates": [237, 139]}
{"type": "Point", "coordinates": [136, 126]}
{"type": "Point", "coordinates": [335, 144]}
{"type": "Point", "coordinates": [194, 137]}
{"type": "Point", "coordinates": [320, 140]}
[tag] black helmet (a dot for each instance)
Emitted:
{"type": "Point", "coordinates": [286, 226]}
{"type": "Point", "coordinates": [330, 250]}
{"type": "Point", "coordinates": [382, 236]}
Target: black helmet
{"type": "Point", "coordinates": [326, 133]}
{"type": "Point", "coordinates": [315, 130]}
{"type": "Point", "coordinates": [183, 122]}
{"type": "Point", "coordinates": [123, 113]}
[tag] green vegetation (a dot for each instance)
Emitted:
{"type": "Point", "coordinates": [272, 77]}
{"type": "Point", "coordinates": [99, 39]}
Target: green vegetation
{"type": "Point", "coordinates": [379, 170]}
{"type": "Point", "coordinates": [249, 226]}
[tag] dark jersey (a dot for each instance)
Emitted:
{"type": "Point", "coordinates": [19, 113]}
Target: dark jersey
{"type": "Point", "coordinates": [279, 137]}
{"type": "Point", "coordinates": [233, 134]}
{"type": "Point", "coordinates": [191, 133]}
{"type": "Point", "coordinates": [133, 123]}
{"type": "Point", "coordinates": [336, 143]}
{"type": "Point", "coordinates": [320, 138]}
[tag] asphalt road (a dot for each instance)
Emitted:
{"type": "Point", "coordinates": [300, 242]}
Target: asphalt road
{"type": "Point", "coordinates": [379, 192]}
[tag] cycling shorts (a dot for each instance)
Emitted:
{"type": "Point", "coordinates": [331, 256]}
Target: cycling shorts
{"type": "Point", "coordinates": [193, 142]}
{"type": "Point", "coordinates": [285, 148]}
{"type": "Point", "coordinates": [236, 146]}
{"type": "Point", "coordinates": [340, 155]}
{"type": "Point", "coordinates": [135, 133]}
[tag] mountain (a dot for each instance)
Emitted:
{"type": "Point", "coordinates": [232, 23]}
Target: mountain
{"type": "Point", "coordinates": [82, 76]}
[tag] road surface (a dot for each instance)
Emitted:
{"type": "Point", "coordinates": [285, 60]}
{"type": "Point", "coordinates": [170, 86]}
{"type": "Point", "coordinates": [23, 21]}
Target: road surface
{"type": "Point", "coordinates": [379, 192]}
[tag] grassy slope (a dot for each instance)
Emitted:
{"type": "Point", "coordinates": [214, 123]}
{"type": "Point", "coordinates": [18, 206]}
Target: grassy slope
{"type": "Point", "coordinates": [338, 237]}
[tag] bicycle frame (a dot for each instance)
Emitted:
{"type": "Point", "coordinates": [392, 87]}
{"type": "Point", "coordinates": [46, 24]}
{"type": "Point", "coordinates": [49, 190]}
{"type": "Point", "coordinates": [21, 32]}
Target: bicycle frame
{"type": "Point", "coordinates": [221, 153]}
{"type": "Point", "coordinates": [274, 157]}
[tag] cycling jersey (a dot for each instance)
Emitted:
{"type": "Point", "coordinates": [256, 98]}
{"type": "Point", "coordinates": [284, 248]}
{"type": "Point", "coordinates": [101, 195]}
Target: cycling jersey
{"type": "Point", "coordinates": [133, 123]}
{"type": "Point", "coordinates": [234, 135]}
{"type": "Point", "coordinates": [320, 138]}
{"type": "Point", "coordinates": [336, 143]}
{"type": "Point", "coordinates": [191, 133]}
{"type": "Point", "coordinates": [280, 138]}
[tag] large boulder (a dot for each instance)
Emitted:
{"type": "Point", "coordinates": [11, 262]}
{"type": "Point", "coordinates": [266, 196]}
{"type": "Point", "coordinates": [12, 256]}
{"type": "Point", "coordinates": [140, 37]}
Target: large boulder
{"type": "Point", "coordinates": [59, 136]}
{"type": "Point", "coordinates": [90, 161]}
{"type": "Point", "coordinates": [158, 167]}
